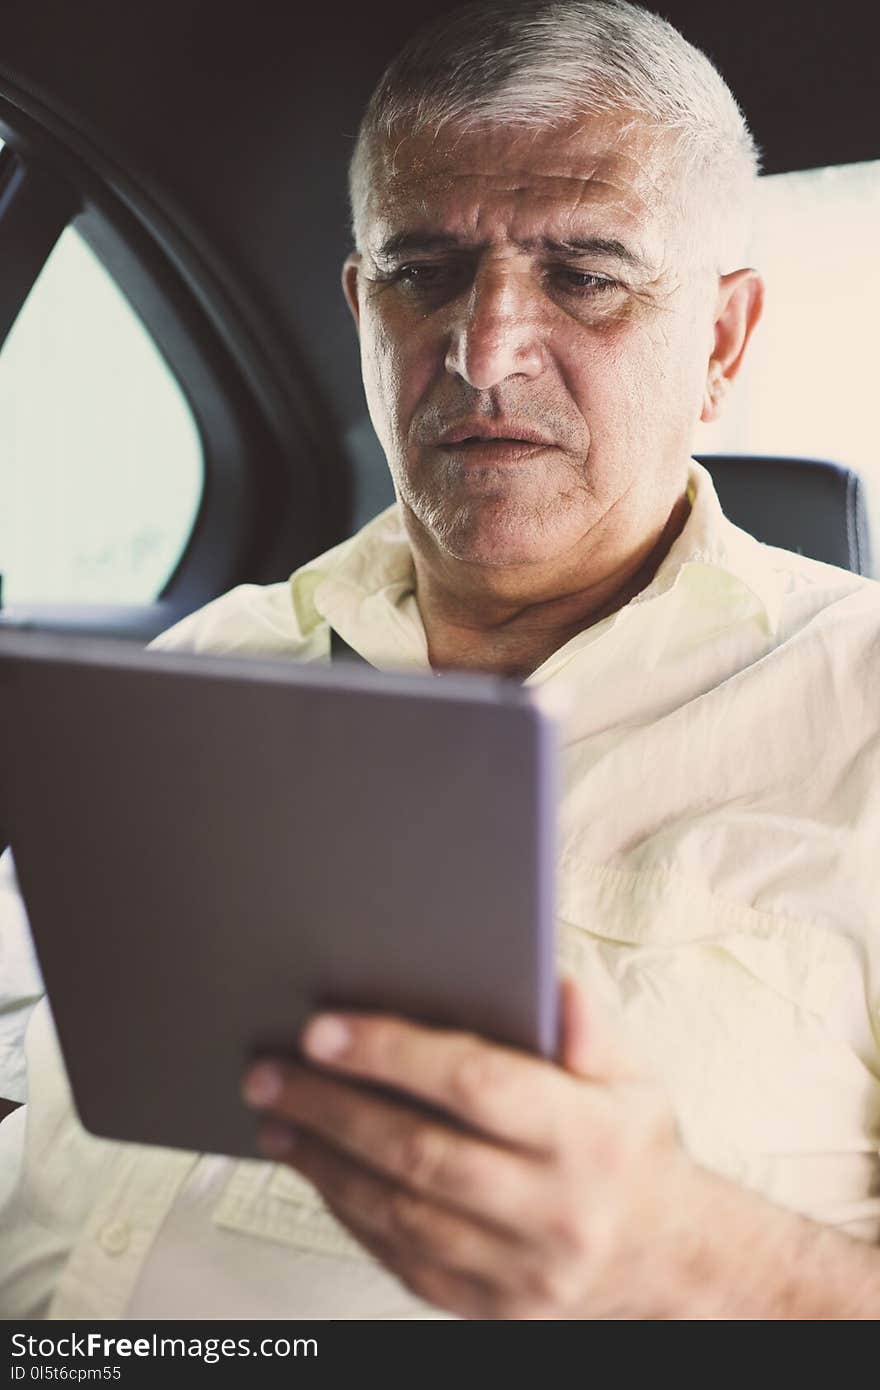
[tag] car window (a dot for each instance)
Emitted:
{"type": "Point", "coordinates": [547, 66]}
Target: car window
{"type": "Point", "coordinates": [101, 468]}
{"type": "Point", "coordinates": [808, 385]}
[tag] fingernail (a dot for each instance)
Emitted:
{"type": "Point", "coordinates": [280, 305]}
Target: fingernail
{"type": "Point", "coordinates": [262, 1084]}
{"type": "Point", "coordinates": [326, 1037]}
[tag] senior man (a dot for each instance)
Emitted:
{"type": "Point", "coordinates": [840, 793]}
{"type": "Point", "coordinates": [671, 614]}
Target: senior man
{"type": "Point", "coordinates": [549, 203]}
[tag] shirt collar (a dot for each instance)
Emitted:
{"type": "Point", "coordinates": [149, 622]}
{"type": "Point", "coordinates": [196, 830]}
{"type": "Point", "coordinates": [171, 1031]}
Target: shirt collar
{"type": "Point", "coordinates": [710, 540]}
{"type": "Point", "coordinates": [365, 588]}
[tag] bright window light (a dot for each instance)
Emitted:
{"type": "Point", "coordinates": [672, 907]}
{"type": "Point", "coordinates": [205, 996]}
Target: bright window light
{"type": "Point", "coordinates": [101, 469]}
{"type": "Point", "coordinates": [809, 386]}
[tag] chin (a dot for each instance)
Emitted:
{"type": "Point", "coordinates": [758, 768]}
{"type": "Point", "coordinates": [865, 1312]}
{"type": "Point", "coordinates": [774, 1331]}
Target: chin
{"type": "Point", "coordinates": [497, 535]}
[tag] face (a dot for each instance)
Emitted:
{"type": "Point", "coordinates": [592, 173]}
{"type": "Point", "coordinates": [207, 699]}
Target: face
{"type": "Point", "coordinates": [535, 341]}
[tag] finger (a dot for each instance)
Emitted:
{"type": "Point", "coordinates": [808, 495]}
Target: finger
{"type": "Point", "coordinates": [400, 1143]}
{"type": "Point", "coordinates": [508, 1095]}
{"type": "Point", "coordinates": [592, 1042]}
{"type": "Point", "coordinates": [410, 1231]}
{"type": "Point", "coordinates": [452, 1293]}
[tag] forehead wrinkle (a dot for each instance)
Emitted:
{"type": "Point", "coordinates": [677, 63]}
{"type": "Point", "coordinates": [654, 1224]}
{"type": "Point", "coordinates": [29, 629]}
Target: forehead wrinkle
{"type": "Point", "coordinates": [482, 196]}
{"type": "Point", "coordinates": [616, 187]}
{"type": "Point", "coordinates": [584, 150]}
{"type": "Point", "coordinates": [618, 152]}
{"type": "Point", "coordinates": [423, 180]}
{"type": "Point", "coordinates": [509, 202]}
{"type": "Point", "coordinates": [603, 226]}
{"type": "Point", "coordinates": [486, 195]}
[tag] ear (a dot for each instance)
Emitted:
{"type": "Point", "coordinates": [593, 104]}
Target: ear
{"type": "Point", "coordinates": [740, 301]}
{"type": "Point", "coordinates": [350, 272]}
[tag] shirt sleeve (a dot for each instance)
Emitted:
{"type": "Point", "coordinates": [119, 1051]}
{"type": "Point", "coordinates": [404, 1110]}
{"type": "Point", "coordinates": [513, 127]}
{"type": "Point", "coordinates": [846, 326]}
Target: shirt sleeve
{"type": "Point", "coordinates": [50, 1179]}
{"type": "Point", "coordinates": [20, 982]}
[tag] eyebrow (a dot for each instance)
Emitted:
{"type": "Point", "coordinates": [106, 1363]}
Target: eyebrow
{"type": "Point", "coordinates": [407, 243]}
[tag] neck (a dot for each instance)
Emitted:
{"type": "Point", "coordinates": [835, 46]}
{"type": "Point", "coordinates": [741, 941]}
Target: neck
{"type": "Point", "coordinates": [509, 621]}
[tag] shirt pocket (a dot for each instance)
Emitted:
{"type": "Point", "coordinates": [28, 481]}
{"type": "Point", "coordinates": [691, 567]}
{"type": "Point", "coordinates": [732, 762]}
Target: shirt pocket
{"type": "Point", "coordinates": [274, 1203]}
{"type": "Point", "coordinates": [758, 1024]}
{"type": "Point", "coordinates": [656, 912]}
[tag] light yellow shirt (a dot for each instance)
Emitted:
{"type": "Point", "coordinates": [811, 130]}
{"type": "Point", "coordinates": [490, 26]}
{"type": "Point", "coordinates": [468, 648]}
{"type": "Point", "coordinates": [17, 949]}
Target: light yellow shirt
{"type": "Point", "coordinates": [718, 878]}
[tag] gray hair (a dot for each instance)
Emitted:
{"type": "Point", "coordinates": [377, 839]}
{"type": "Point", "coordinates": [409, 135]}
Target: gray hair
{"type": "Point", "coordinates": [547, 62]}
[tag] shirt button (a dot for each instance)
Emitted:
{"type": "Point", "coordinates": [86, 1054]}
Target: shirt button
{"type": "Point", "coordinates": [114, 1237]}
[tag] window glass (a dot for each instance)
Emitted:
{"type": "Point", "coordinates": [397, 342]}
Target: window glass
{"type": "Point", "coordinates": [808, 387]}
{"type": "Point", "coordinates": [100, 460]}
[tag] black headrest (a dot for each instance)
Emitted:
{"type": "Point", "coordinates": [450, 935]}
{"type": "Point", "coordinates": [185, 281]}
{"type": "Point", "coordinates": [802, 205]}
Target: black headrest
{"type": "Point", "coordinates": [817, 509]}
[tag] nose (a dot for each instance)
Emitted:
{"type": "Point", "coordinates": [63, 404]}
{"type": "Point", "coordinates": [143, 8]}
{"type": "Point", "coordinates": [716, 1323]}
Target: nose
{"type": "Point", "coordinates": [495, 333]}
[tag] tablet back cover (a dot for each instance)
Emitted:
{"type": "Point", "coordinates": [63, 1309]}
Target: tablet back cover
{"type": "Point", "coordinates": [211, 849]}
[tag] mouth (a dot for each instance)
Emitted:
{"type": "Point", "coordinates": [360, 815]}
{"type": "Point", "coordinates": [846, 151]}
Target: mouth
{"type": "Point", "coordinates": [499, 451]}
{"type": "Point", "coordinates": [496, 451]}
{"type": "Point", "coordinates": [501, 443]}
{"type": "Point", "coordinates": [506, 434]}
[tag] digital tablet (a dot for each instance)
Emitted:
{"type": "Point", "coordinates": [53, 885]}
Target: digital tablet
{"type": "Point", "coordinates": [210, 848]}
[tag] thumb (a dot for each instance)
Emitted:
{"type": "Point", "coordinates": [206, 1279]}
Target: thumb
{"type": "Point", "coordinates": [592, 1041]}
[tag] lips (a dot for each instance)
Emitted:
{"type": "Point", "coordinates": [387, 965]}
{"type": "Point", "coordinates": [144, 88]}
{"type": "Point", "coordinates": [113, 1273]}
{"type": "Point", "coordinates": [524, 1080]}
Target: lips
{"type": "Point", "coordinates": [475, 441]}
{"type": "Point", "coordinates": [496, 451]}
{"type": "Point", "coordinates": [475, 434]}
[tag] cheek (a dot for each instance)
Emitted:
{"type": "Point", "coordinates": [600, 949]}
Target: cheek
{"type": "Point", "coordinates": [381, 376]}
{"type": "Point", "coordinates": [610, 379]}
{"type": "Point", "coordinates": [396, 372]}
{"type": "Point", "coordinates": [639, 388]}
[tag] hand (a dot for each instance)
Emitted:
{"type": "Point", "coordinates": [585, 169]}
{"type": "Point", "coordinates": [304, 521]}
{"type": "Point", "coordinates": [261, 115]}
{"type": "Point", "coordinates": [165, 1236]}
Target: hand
{"type": "Point", "coordinates": [526, 1190]}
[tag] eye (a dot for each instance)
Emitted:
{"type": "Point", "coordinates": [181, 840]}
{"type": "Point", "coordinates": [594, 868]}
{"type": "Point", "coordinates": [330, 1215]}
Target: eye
{"type": "Point", "coordinates": [583, 282]}
{"type": "Point", "coordinates": [422, 274]}
{"type": "Point", "coordinates": [432, 279]}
